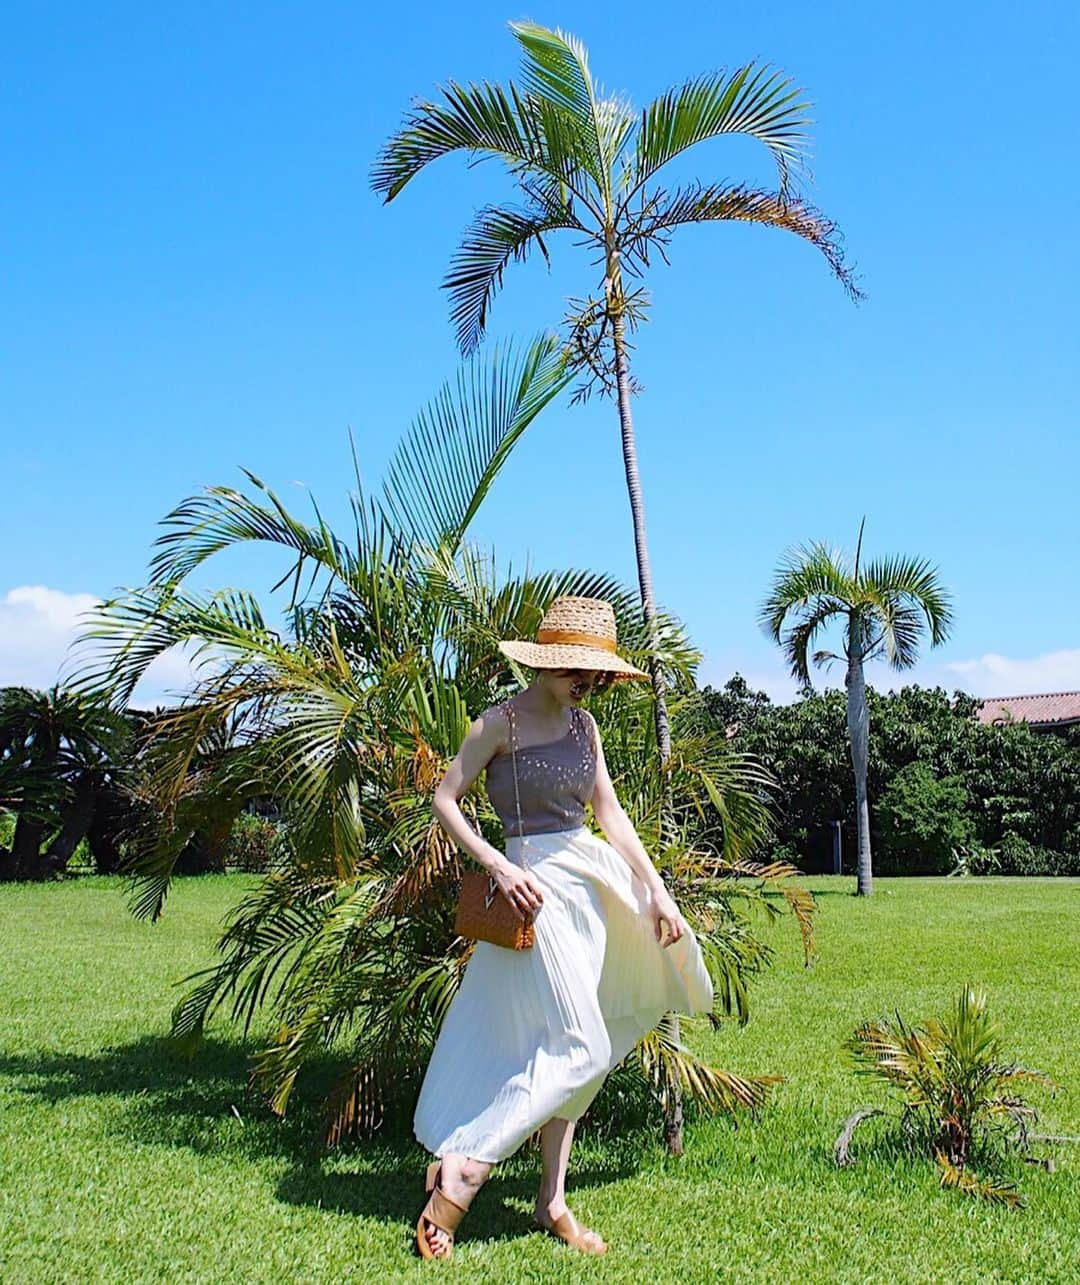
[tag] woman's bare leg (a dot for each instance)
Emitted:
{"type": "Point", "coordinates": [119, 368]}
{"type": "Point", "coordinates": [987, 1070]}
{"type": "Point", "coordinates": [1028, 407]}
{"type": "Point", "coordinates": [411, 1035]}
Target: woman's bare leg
{"type": "Point", "coordinates": [460, 1180]}
{"type": "Point", "coordinates": [556, 1138]}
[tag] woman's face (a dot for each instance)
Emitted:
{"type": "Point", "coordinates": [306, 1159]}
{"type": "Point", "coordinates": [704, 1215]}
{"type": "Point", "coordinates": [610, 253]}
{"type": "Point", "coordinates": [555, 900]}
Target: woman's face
{"type": "Point", "coordinates": [572, 686]}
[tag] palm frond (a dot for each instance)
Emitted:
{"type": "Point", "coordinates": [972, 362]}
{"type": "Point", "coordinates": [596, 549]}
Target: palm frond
{"type": "Point", "coordinates": [449, 459]}
{"type": "Point", "coordinates": [811, 576]}
{"type": "Point", "coordinates": [556, 70]}
{"type": "Point", "coordinates": [913, 585]}
{"type": "Point", "coordinates": [737, 203]}
{"type": "Point", "coordinates": [222, 517]}
{"type": "Point", "coordinates": [842, 1146]}
{"type": "Point", "coordinates": [482, 120]}
{"type": "Point", "coordinates": [667, 1062]}
{"type": "Point", "coordinates": [754, 100]}
{"type": "Point", "coordinates": [498, 235]}
{"type": "Point", "coordinates": [962, 1179]}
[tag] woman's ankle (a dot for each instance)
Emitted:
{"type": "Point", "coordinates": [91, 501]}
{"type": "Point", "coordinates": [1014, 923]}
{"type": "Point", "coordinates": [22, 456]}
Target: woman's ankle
{"type": "Point", "coordinates": [463, 1176]}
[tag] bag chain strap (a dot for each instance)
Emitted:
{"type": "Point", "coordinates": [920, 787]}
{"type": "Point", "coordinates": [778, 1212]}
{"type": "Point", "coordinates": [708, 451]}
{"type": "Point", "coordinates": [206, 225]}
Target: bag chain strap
{"type": "Point", "coordinates": [513, 764]}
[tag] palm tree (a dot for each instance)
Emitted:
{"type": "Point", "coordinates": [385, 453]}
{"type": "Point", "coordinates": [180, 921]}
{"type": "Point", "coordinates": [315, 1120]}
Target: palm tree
{"type": "Point", "coordinates": [58, 750]}
{"type": "Point", "coordinates": [885, 606]}
{"type": "Point", "coordinates": [350, 716]}
{"type": "Point", "coordinates": [588, 164]}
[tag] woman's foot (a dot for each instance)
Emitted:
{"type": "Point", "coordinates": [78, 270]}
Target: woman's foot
{"type": "Point", "coordinates": [555, 1217]}
{"type": "Point", "coordinates": [459, 1179]}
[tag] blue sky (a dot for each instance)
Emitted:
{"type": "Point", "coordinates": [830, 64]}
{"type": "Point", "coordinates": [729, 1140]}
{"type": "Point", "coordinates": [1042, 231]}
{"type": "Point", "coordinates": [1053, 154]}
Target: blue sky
{"type": "Point", "coordinates": [197, 277]}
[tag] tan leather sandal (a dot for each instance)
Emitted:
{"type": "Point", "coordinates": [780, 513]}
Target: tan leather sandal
{"type": "Point", "coordinates": [440, 1211]}
{"type": "Point", "coordinates": [567, 1228]}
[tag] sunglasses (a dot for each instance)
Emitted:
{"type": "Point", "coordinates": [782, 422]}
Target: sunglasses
{"type": "Point", "coordinates": [598, 681]}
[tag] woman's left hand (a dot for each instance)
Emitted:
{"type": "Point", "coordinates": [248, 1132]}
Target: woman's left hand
{"type": "Point", "coordinates": [667, 920]}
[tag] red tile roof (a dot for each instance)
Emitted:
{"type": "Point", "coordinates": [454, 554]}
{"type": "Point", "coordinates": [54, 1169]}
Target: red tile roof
{"type": "Point", "coordinates": [1051, 709]}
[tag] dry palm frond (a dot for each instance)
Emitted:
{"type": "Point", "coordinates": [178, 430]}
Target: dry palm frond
{"type": "Point", "coordinates": [667, 1062]}
{"type": "Point", "coordinates": [961, 1179]}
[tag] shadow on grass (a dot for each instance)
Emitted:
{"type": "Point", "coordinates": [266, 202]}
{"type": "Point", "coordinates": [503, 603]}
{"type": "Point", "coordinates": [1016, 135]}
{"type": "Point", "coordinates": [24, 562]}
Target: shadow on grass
{"type": "Point", "coordinates": [203, 1102]}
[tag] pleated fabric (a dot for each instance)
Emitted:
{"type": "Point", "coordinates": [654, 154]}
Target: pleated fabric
{"type": "Point", "coordinates": [532, 1034]}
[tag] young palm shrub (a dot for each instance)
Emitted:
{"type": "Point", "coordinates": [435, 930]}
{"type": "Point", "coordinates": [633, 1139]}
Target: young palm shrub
{"type": "Point", "coordinates": [957, 1090]}
{"type": "Point", "coordinates": [348, 718]}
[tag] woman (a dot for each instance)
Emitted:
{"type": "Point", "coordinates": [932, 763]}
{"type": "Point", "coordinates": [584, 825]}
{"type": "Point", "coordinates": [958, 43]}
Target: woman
{"type": "Point", "coordinates": [532, 1034]}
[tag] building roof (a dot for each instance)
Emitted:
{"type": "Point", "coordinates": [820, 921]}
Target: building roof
{"type": "Point", "coordinates": [1050, 710]}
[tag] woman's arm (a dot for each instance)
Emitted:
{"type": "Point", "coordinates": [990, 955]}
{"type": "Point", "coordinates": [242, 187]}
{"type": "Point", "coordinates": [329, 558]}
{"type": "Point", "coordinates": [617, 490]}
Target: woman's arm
{"type": "Point", "coordinates": [620, 833]}
{"type": "Point", "coordinates": [486, 737]}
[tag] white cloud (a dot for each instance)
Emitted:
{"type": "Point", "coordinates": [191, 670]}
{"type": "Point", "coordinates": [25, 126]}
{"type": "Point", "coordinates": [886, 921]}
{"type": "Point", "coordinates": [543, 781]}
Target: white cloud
{"type": "Point", "coordinates": [994, 675]}
{"type": "Point", "coordinates": [37, 628]}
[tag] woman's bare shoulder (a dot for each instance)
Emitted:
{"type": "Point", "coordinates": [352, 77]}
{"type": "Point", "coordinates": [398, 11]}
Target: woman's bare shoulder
{"type": "Point", "coordinates": [590, 726]}
{"type": "Point", "coordinates": [492, 726]}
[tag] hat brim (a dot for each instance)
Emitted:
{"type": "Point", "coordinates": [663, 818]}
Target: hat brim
{"type": "Point", "coordinates": [568, 656]}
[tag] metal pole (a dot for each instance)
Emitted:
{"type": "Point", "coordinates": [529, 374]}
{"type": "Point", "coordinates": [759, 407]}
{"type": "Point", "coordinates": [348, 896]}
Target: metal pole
{"type": "Point", "coordinates": [837, 849]}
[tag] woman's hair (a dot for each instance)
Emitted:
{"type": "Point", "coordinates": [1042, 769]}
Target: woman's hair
{"type": "Point", "coordinates": [602, 681]}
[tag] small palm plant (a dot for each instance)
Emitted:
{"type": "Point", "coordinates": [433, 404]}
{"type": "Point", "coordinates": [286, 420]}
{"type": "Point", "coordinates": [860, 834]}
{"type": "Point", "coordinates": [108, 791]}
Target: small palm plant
{"type": "Point", "coordinates": [957, 1089]}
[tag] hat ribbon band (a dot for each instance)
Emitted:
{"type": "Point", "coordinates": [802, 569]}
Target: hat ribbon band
{"type": "Point", "coordinates": [569, 636]}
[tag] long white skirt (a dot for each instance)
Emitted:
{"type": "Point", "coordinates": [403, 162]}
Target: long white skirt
{"type": "Point", "coordinates": [532, 1034]}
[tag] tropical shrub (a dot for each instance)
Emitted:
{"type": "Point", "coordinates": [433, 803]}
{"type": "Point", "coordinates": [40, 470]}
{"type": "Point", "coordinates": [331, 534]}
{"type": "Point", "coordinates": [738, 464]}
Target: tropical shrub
{"type": "Point", "coordinates": [348, 716]}
{"type": "Point", "coordinates": [957, 1093]}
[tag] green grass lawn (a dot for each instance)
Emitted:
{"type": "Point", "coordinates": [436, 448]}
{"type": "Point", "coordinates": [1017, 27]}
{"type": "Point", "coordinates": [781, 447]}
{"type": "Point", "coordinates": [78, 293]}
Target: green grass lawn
{"type": "Point", "coordinates": [121, 1161]}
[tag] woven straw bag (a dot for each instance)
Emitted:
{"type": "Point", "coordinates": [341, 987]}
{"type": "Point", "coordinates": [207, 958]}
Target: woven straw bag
{"type": "Point", "coordinates": [483, 913]}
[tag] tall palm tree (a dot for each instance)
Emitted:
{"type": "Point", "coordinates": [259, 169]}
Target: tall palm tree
{"type": "Point", "coordinates": [885, 606]}
{"type": "Point", "coordinates": [351, 714]}
{"type": "Point", "coordinates": [587, 163]}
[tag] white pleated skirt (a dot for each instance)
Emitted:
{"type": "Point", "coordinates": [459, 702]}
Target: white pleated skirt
{"type": "Point", "coordinates": [532, 1034]}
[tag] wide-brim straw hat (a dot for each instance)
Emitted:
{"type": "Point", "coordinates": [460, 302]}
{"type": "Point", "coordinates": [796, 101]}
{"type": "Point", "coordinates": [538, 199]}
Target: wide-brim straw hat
{"type": "Point", "coordinates": [575, 633]}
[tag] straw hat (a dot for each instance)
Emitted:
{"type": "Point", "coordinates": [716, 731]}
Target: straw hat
{"type": "Point", "coordinates": [575, 633]}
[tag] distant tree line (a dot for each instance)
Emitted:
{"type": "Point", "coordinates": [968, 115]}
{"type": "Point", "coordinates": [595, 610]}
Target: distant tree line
{"type": "Point", "coordinates": [946, 791]}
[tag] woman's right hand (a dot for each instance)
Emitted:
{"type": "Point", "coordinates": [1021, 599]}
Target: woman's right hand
{"type": "Point", "coordinates": [519, 888]}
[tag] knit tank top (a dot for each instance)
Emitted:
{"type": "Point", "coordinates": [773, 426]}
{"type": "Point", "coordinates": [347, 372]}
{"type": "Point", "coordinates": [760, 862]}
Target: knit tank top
{"type": "Point", "coordinates": [555, 781]}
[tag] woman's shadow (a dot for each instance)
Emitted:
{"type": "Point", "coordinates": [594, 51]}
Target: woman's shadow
{"type": "Point", "coordinates": [203, 1101]}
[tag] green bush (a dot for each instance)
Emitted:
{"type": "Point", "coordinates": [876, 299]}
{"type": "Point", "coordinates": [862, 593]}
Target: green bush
{"type": "Point", "coordinates": [1017, 856]}
{"type": "Point", "coordinates": [1014, 855]}
{"type": "Point", "coordinates": [922, 821]}
{"type": "Point", "coordinates": [254, 843]}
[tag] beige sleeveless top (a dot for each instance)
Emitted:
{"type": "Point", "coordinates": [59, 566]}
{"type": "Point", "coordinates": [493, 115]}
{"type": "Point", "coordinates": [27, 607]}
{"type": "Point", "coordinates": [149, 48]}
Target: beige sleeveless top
{"type": "Point", "coordinates": [555, 781]}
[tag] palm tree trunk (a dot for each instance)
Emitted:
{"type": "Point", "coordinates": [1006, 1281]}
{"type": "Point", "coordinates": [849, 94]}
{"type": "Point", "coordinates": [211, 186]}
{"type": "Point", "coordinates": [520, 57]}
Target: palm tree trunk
{"type": "Point", "coordinates": [26, 847]}
{"type": "Point", "coordinates": [858, 718]}
{"type": "Point", "coordinates": [641, 548]}
{"type": "Point", "coordinates": [74, 825]}
{"type": "Point", "coordinates": [673, 1113]}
